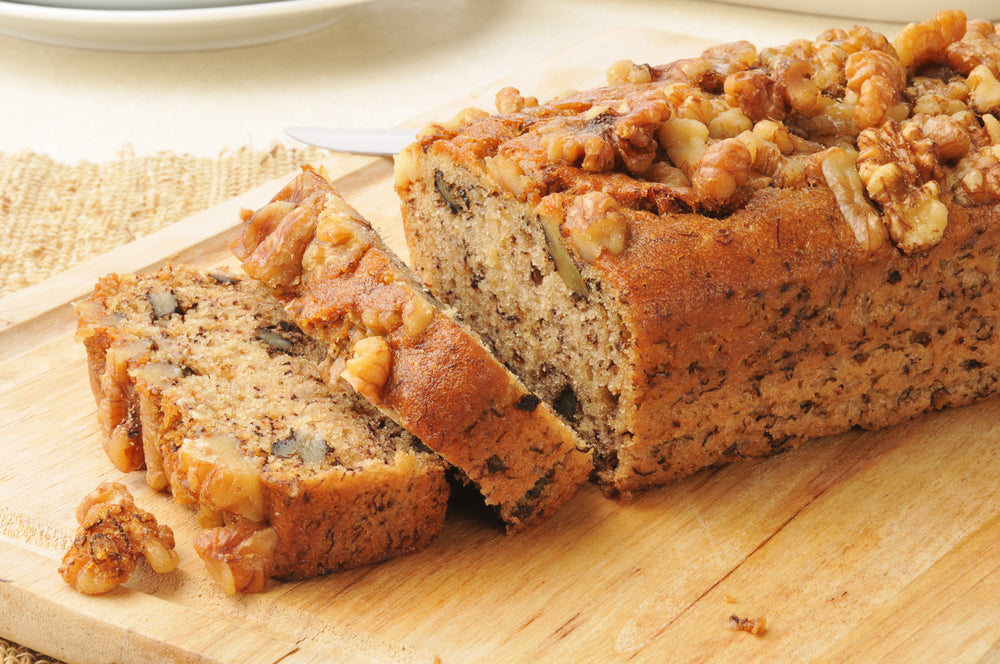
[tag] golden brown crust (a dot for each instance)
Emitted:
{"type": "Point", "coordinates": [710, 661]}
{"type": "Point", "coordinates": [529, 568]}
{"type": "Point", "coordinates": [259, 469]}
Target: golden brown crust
{"type": "Point", "coordinates": [408, 357]}
{"type": "Point", "coordinates": [203, 381]}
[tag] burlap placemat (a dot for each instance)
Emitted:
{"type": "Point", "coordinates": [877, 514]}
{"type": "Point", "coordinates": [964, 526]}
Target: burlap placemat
{"type": "Point", "coordinates": [55, 215]}
{"type": "Point", "coordinates": [14, 654]}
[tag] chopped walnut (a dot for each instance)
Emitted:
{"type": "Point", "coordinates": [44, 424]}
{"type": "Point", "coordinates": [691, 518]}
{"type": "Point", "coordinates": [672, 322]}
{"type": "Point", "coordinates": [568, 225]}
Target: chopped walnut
{"type": "Point", "coordinates": [933, 96]}
{"type": "Point", "coordinates": [984, 89]}
{"type": "Point", "coordinates": [634, 133]}
{"type": "Point", "coordinates": [733, 56]}
{"type": "Point", "coordinates": [587, 146]}
{"type": "Point", "coordinates": [239, 556]}
{"type": "Point", "coordinates": [845, 183]}
{"type": "Point", "coordinates": [979, 46]}
{"type": "Point", "coordinates": [595, 223]}
{"type": "Point", "coordinates": [978, 177]}
{"type": "Point", "coordinates": [878, 78]}
{"type": "Point", "coordinates": [118, 408]}
{"type": "Point", "coordinates": [113, 535]}
{"type": "Point", "coordinates": [418, 314]}
{"type": "Point", "coordinates": [510, 100]}
{"type": "Point", "coordinates": [277, 259]}
{"type": "Point", "coordinates": [752, 91]}
{"type": "Point", "coordinates": [793, 81]}
{"type": "Point", "coordinates": [920, 43]}
{"type": "Point", "coordinates": [897, 165]}
{"type": "Point", "coordinates": [626, 71]}
{"type": "Point", "coordinates": [367, 370]}
{"type": "Point", "coordinates": [992, 127]}
{"type": "Point", "coordinates": [948, 134]}
{"type": "Point", "coordinates": [380, 322]}
{"type": "Point", "coordinates": [685, 142]}
{"type": "Point", "coordinates": [729, 124]}
{"type": "Point", "coordinates": [721, 172]}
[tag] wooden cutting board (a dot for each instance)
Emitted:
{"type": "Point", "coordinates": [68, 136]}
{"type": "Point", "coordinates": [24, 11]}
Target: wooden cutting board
{"type": "Point", "coordinates": [866, 547]}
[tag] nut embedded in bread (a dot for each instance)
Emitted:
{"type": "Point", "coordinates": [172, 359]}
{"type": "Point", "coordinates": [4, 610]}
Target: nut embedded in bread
{"type": "Point", "coordinates": [201, 379]}
{"type": "Point", "coordinates": [394, 344]}
{"type": "Point", "coordinates": [729, 254]}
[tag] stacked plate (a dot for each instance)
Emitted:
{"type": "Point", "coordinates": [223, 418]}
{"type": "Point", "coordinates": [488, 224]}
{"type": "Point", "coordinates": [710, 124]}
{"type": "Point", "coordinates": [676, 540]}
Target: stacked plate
{"type": "Point", "coordinates": [166, 25]}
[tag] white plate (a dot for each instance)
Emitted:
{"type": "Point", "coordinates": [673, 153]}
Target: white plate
{"type": "Point", "coordinates": [169, 29]}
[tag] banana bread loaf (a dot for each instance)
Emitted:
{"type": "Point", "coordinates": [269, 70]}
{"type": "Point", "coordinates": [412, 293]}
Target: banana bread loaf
{"type": "Point", "coordinates": [727, 255]}
{"type": "Point", "coordinates": [395, 345]}
{"type": "Point", "coordinates": [201, 379]}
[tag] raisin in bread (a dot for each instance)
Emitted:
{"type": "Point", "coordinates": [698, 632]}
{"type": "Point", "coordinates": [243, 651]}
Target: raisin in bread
{"type": "Point", "coordinates": [727, 255]}
{"type": "Point", "coordinates": [201, 379]}
{"type": "Point", "coordinates": [395, 345]}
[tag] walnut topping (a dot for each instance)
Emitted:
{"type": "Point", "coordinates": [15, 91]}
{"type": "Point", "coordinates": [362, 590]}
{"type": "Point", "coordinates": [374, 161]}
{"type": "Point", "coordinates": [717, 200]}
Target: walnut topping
{"type": "Point", "coordinates": [706, 133]}
{"type": "Point", "coordinates": [368, 368]}
{"type": "Point", "coordinates": [920, 43]}
{"type": "Point", "coordinates": [685, 141]}
{"type": "Point", "coordinates": [721, 172]}
{"type": "Point", "coordinates": [113, 535]}
{"type": "Point", "coordinates": [417, 315]}
{"type": "Point", "coordinates": [239, 556]}
{"type": "Point", "coordinates": [118, 408]}
{"type": "Point", "coordinates": [878, 79]}
{"type": "Point", "coordinates": [277, 260]}
{"type": "Point", "coordinates": [793, 81]}
{"type": "Point", "coordinates": [984, 89]}
{"type": "Point", "coordinates": [509, 174]}
{"type": "Point", "coordinates": [596, 224]}
{"type": "Point", "coordinates": [752, 91]}
{"type": "Point", "coordinates": [510, 100]}
{"type": "Point", "coordinates": [978, 177]}
{"type": "Point", "coordinates": [897, 164]}
{"type": "Point", "coordinates": [979, 46]}
{"type": "Point", "coordinates": [586, 146]}
{"type": "Point", "coordinates": [380, 322]}
{"type": "Point", "coordinates": [626, 71]}
{"type": "Point", "coordinates": [948, 134]}
{"type": "Point", "coordinates": [847, 188]}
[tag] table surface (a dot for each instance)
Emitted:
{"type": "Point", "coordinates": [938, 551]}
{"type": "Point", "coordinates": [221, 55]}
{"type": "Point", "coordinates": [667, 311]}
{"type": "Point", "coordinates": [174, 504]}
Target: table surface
{"type": "Point", "coordinates": [382, 64]}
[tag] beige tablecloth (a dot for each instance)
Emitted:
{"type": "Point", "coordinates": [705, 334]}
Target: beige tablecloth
{"type": "Point", "coordinates": [55, 215]}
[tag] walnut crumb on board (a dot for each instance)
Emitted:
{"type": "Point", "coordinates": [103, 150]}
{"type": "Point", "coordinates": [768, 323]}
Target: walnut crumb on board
{"type": "Point", "coordinates": [755, 626]}
{"type": "Point", "coordinates": [113, 535]}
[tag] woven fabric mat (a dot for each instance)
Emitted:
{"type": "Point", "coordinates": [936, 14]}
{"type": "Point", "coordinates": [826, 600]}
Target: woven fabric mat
{"type": "Point", "coordinates": [55, 215]}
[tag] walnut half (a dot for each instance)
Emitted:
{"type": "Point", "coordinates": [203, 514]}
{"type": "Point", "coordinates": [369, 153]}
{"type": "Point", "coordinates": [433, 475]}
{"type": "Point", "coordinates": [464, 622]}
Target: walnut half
{"type": "Point", "coordinates": [113, 535]}
{"type": "Point", "coordinates": [239, 556]}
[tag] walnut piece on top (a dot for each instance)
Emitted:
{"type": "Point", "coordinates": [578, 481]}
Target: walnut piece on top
{"type": "Point", "coordinates": [113, 536]}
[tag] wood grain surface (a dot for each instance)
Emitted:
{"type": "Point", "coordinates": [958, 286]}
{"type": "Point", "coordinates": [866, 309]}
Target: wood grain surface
{"type": "Point", "coordinates": [865, 547]}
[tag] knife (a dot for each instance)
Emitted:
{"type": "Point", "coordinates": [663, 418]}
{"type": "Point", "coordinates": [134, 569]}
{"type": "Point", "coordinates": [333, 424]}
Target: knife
{"type": "Point", "coordinates": [378, 142]}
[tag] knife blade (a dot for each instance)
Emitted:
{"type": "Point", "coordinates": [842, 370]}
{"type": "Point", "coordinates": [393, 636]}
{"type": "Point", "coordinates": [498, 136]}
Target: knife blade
{"type": "Point", "coordinates": [378, 142]}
